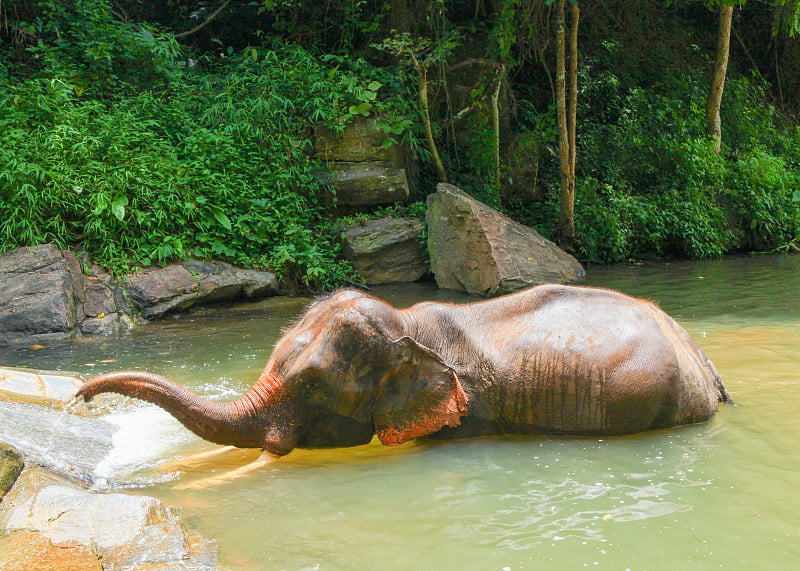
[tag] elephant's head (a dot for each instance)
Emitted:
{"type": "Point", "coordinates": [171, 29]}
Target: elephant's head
{"type": "Point", "coordinates": [345, 371]}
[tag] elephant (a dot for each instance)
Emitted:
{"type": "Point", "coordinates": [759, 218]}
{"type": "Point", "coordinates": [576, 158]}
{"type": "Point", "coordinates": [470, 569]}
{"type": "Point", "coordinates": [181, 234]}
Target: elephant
{"type": "Point", "coordinates": [552, 359]}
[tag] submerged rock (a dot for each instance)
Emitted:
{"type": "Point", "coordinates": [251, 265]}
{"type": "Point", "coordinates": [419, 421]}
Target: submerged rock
{"type": "Point", "coordinates": [39, 418]}
{"type": "Point", "coordinates": [51, 523]}
{"type": "Point", "coordinates": [386, 250]}
{"type": "Point", "coordinates": [65, 443]}
{"type": "Point", "coordinates": [47, 388]}
{"type": "Point", "coordinates": [476, 249]}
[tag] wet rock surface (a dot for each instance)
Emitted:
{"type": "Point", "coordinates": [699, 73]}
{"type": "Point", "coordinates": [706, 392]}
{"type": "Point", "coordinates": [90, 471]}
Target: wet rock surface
{"type": "Point", "coordinates": [47, 437]}
{"type": "Point", "coordinates": [40, 419]}
{"type": "Point", "coordinates": [474, 248]}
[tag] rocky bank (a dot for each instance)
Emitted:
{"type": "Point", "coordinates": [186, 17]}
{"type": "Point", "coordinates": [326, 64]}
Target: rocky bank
{"type": "Point", "coordinates": [48, 295]}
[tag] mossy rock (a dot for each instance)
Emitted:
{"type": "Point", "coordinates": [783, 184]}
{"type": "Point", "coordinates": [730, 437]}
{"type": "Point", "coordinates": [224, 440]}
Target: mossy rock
{"type": "Point", "coordinates": [11, 464]}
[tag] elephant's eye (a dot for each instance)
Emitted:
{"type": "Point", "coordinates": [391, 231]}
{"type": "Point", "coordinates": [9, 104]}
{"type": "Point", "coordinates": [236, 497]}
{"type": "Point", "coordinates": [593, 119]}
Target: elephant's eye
{"type": "Point", "coordinates": [313, 383]}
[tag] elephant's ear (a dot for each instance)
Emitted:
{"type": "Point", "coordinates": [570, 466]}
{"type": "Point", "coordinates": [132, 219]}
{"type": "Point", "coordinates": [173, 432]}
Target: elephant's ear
{"type": "Point", "coordinates": [417, 396]}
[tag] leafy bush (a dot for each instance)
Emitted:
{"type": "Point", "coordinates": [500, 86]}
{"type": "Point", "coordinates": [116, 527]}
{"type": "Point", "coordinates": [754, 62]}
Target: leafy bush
{"type": "Point", "coordinates": [98, 53]}
{"type": "Point", "coordinates": [216, 164]}
{"type": "Point", "coordinates": [764, 201]}
{"type": "Point", "coordinates": [615, 225]}
{"type": "Point", "coordinates": [652, 184]}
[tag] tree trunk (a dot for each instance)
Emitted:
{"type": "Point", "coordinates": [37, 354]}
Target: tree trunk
{"type": "Point", "coordinates": [573, 89]}
{"type": "Point", "coordinates": [714, 103]}
{"type": "Point", "coordinates": [501, 72]}
{"type": "Point", "coordinates": [422, 77]}
{"type": "Point", "coordinates": [566, 222]}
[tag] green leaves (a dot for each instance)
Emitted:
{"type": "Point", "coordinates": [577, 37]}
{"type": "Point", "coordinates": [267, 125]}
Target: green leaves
{"type": "Point", "coordinates": [220, 216]}
{"type": "Point", "coordinates": [118, 207]}
{"type": "Point", "coordinates": [219, 168]}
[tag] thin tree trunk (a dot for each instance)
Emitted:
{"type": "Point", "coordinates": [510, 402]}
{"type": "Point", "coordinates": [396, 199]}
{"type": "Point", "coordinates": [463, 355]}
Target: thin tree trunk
{"type": "Point", "coordinates": [566, 222]}
{"type": "Point", "coordinates": [496, 123]}
{"type": "Point", "coordinates": [573, 89]}
{"type": "Point", "coordinates": [422, 77]}
{"type": "Point", "coordinates": [714, 103]}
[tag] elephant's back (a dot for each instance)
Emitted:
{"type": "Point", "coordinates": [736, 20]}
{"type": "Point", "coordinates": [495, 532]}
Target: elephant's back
{"type": "Point", "coordinates": [593, 361]}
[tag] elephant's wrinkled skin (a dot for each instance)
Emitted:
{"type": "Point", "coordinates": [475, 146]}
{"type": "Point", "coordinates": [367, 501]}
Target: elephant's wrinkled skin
{"type": "Point", "coordinates": [551, 359]}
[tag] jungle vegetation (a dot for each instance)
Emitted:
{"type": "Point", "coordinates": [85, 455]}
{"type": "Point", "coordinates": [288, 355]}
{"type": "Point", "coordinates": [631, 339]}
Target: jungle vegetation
{"type": "Point", "coordinates": [142, 132]}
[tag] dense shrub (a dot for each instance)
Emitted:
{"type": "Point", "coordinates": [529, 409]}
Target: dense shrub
{"type": "Point", "coordinates": [214, 164]}
{"type": "Point", "coordinates": [650, 183]}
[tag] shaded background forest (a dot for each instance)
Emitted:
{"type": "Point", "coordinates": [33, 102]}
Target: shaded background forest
{"type": "Point", "coordinates": [142, 132]}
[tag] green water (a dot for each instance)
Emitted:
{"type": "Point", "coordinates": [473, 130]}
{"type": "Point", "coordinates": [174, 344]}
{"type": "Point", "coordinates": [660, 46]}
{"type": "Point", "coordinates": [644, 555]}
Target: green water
{"type": "Point", "coordinates": [721, 495]}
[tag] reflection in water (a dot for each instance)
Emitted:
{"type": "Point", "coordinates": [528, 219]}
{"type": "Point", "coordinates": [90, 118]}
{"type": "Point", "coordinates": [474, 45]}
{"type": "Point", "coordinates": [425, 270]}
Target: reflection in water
{"type": "Point", "coordinates": [719, 495]}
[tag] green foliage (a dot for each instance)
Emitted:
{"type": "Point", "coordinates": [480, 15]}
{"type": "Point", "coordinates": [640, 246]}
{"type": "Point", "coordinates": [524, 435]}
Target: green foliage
{"type": "Point", "coordinates": [340, 25]}
{"type": "Point", "coordinates": [651, 183]}
{"type": "Point", "coordinates": [764, 201]}
{"type": "Point", "coordinates": [418, 51]}
{"type": "Point", "coordinates": [115, 139]}
{"type": "Point", "coordinates": [363, 90]}
{"type": "Point", "coordinates": [615, 225]}
{"type": "Point", "coordinates": [217, 164]}
{"type": "Point", "coordinates": [82, 42]}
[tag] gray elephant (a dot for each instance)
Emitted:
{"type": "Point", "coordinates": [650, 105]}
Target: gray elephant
{"type": "Point", "coordinates": [548, 360]}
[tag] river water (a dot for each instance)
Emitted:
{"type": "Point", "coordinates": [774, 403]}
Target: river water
{"type": "Point", "coordinates": [721, 495]}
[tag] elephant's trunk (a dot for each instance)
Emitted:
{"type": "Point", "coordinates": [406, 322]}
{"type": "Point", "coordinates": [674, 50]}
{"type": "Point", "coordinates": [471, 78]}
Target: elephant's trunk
{"type": "Point", "coordinates": [240, 423]}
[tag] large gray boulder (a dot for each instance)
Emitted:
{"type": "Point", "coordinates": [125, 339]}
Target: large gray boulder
{"type": "Point", "coordinates": [50, 523]}
{"type": "Point", "coordinates": [156, 291]}
{"type": "Point", "coordinates": [37, 295]}
{"type": "Point", "coordinates": [476, 249]}
{"type": "Point", "coordinates": [386, 250]}
{"type": "Point", "coordinates": [45, 297]}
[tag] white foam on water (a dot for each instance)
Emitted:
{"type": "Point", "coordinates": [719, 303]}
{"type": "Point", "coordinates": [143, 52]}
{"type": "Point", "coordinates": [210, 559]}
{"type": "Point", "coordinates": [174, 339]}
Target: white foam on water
{"type": "Point", "coordinates": [146, 437]}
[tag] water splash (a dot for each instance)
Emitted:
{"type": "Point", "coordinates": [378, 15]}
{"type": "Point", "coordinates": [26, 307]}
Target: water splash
{"type": "Point", "coordinates": [145, 437]}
